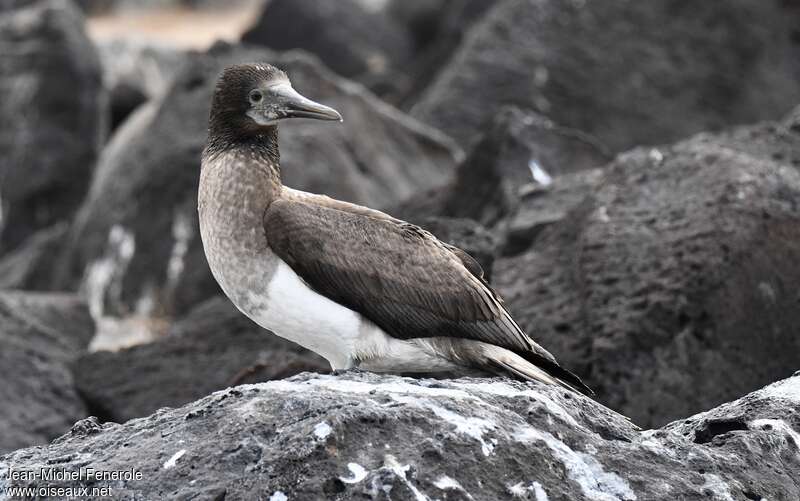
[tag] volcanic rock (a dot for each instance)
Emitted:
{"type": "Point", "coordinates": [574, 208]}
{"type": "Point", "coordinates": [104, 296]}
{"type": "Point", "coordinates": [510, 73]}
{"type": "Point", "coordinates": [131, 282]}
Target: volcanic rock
{"type": "Point", "coordinates": [524, 173]}
{"type": "Point", "coordinates": [671, 287]}
{"type": "Point", "coordinates": [40, 335]}
{"type": "Point", "coordinates": [30, 265]}
{"type": "Point", "coordinates": [213, 347]}
{"type": "Point", "coordinates": [629, 73]}
{"type": "Point", "coordinates": [353, 39]}
{"type": "Point", "coordinates": [53, 112]}
{"type": "Point", "coordinates": [364, 436]}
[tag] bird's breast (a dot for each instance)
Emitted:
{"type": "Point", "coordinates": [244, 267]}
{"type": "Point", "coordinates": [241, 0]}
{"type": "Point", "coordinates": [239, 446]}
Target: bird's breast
{"type": "Point", "coordinates": [270, 293]}
{"type": "Point", "coordinates": [291, 309]}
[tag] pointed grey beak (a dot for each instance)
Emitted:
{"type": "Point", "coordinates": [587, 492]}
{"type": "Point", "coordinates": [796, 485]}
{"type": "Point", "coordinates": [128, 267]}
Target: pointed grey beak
{"type": "Point", "coordinates": [291, 104]}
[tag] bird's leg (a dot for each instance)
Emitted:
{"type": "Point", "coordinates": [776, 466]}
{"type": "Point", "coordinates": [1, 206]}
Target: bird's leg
{"type": "Point", "coordinates": [351, 368]}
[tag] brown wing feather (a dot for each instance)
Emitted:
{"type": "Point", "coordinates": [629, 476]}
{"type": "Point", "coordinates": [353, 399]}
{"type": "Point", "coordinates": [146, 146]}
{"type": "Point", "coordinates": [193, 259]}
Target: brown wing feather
{"type": "Point", "coordinates": [394, 273]}
{"type": "Point", "coordinates": [397, 275]}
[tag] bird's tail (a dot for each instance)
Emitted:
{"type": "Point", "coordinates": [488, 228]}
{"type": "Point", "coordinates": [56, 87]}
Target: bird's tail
{"type": "Point", "coordinates": [493, 359]}
{"type": "Point", "coordinates": [507, 362]}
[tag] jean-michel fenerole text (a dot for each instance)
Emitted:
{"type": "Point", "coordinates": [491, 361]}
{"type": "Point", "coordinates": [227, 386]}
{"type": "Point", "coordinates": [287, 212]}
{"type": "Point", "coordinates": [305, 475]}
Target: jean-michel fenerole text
{"type": "Point", "coordinates": [54, 473]}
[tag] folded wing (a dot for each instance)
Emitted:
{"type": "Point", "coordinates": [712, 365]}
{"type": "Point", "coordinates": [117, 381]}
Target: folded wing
{"type": "Point", "coordinates": [397, 275]}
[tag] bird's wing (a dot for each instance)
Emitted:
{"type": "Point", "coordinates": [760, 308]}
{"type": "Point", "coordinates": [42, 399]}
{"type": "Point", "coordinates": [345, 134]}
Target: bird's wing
{"type": "Point", "coordinates": [394, 273]}
{"type": "Point", "coordinates": [397, 275]}
{"type": "Point", "coordinates": [315, 199]}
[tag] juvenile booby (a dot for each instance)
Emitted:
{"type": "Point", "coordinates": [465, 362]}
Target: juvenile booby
{"type": "Point", "coordinates": [353, 284]}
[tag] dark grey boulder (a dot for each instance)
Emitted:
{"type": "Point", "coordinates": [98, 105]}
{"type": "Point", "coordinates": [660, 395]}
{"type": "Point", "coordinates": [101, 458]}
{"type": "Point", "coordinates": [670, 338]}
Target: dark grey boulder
{"type": "Point", "coordinates": [52, 109]}
{"type": "Point", "coordinates": [541, 206]}
{"type": "Point", "coordinates": [518, 150]}
{"type": "Point", "coordinates": [30, 265]}
{"type": "Point", "coordinates": [630, 73]}
{"type": "Point", "coordinates": [524, 163]}
{"type": "Point", "coordinates": [671, 286]}
{"type": "Point", "coordinates": [353, 38]}
{"type": "Point", "coordinates": [135, 71]}
{"type": "Point", "coordinates": [363, 436]}
{"type": "Point", "coordinates": [395, 48]}
{"type": "Point", "coordinates": [140, 216]}
{"type": "Point", "coordinates": [437, 28]}
{"type": "Point", "coordinates": [213, 347]}
{"type": "Point", "coordinates": [40, 335]}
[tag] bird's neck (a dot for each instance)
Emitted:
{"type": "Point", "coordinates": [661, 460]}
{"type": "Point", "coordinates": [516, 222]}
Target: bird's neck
{"type": "Point", "coordinates": [260, 147]}
{"type": "Point", "coordinates": [239, 179]}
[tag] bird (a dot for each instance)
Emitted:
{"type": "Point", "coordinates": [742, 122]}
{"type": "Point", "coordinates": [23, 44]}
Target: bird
{"type": "Point", "coordinates": [361, 288]}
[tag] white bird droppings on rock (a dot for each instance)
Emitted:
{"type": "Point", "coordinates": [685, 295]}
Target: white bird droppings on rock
{"type": "Point", "coordinates": [655, 156]}
{"type": "Point", "coordinates": [719, 489]}
{"type": "Point", "coordinates": [322, 430]}
{"type": "Point", "coordinates": [402, 471]}
{"type": "Point", "coordinates": [171, 462]}
{"type": "Point", "coordinates": [653, 443]}
{"type": "Point", "coordinates": [788, 389]}
{"type": "Point", "coordinates": [404, 385]}
{"type": "Point", "coordinates": [539, 174]}
{"type": "Point", "coordinates": [595, 483]}
{"type": "Point", "coordinates": [539, 492]}
{"type": "Point", "coordinates": [278, 496]}
{"type": "Point", "coordinates": [447, 483]}
{"type": "Point", "coordinates": [779, 426]}
{"type": "Point", "coordinates": [358, 471]}
{"type": "Point", "coordinates": [470, 426]}
{"type": "Point", "coordinates": [506, 390]}
{"type": "Point", "coordinates": [520, 490]}
{"type": "Point", "coordinates": [104, 276]}
{"type": "Point", "coordinates": [182, 232]}
{"type": "Point", "coordinates": [601, 214]}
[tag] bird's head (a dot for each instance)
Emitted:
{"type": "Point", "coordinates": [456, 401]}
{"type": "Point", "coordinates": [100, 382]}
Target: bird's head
{"type": "Point", "coordinates": [251, 97]}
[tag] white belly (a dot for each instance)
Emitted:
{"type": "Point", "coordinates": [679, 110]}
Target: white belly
{"type": "Point", "coordinates": [292, 310]}
{"type": "Point", "coordinates": [288, 307]}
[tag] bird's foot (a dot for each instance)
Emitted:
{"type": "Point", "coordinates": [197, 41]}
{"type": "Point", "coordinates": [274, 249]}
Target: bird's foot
{"type": "Point", "coordinates": [351, 370]}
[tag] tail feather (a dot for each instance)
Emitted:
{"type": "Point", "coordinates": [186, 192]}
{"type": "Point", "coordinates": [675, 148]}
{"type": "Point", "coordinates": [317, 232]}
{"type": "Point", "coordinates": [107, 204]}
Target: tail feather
{"type": "Point", "coordinates": [563, 375]}
{"type": "Point", "coordinates": [489, 358]}
{"type": "Point", "coordinates": [543, 370]}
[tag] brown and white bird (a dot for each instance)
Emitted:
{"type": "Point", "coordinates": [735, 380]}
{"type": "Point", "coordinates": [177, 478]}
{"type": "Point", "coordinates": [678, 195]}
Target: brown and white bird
{"type": "Point", "coordinates": [353, 284]}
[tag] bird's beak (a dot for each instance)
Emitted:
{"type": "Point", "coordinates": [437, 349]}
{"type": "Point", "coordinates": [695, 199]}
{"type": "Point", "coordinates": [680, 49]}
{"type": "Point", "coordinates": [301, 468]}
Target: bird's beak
{"type": "Point", "coordinates": [293, 105]}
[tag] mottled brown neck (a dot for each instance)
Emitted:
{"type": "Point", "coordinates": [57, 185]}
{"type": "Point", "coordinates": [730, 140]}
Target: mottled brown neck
{"type": "Point", "coordinates": [236, 188]}
{"type": "Point", "coordinates": [260, 144]}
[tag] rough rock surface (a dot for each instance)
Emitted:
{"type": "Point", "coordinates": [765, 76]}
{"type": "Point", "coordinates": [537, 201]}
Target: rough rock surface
{"type": "Point", "coordinates": [541, 206]}
{"type": "Point", "coordinates": [135, 71]}
{"type": "Point", "coordinates": [213, 347]}
{"type": "Point", "coordinates": [354, 39]}
{"type": "Point", "coordinates": [363, 436]}
{"type": "Point", "coordinates": [671, 287]}
{"type": "Point", "coordinates": [40, 334]}
{"type": "Point", "coordinates": [136, 232]}
{"type": "Point", "coordinates": [630, 73]}
{"type": "Point", "coordinates": [53, 115]}
{"type": "Point", "coordinates": [523, 163]}
{"type": "Point", "coordinates": [394, 47]}
{"type": "Point", "coordinates": [437, 28]}
{"type": "Point", "coordinates": [30, 265]}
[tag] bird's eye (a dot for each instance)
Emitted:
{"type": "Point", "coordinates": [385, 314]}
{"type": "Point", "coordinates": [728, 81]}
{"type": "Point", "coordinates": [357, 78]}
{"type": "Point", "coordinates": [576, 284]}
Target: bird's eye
{"type": "Point", "coordinates": [255, 96]}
